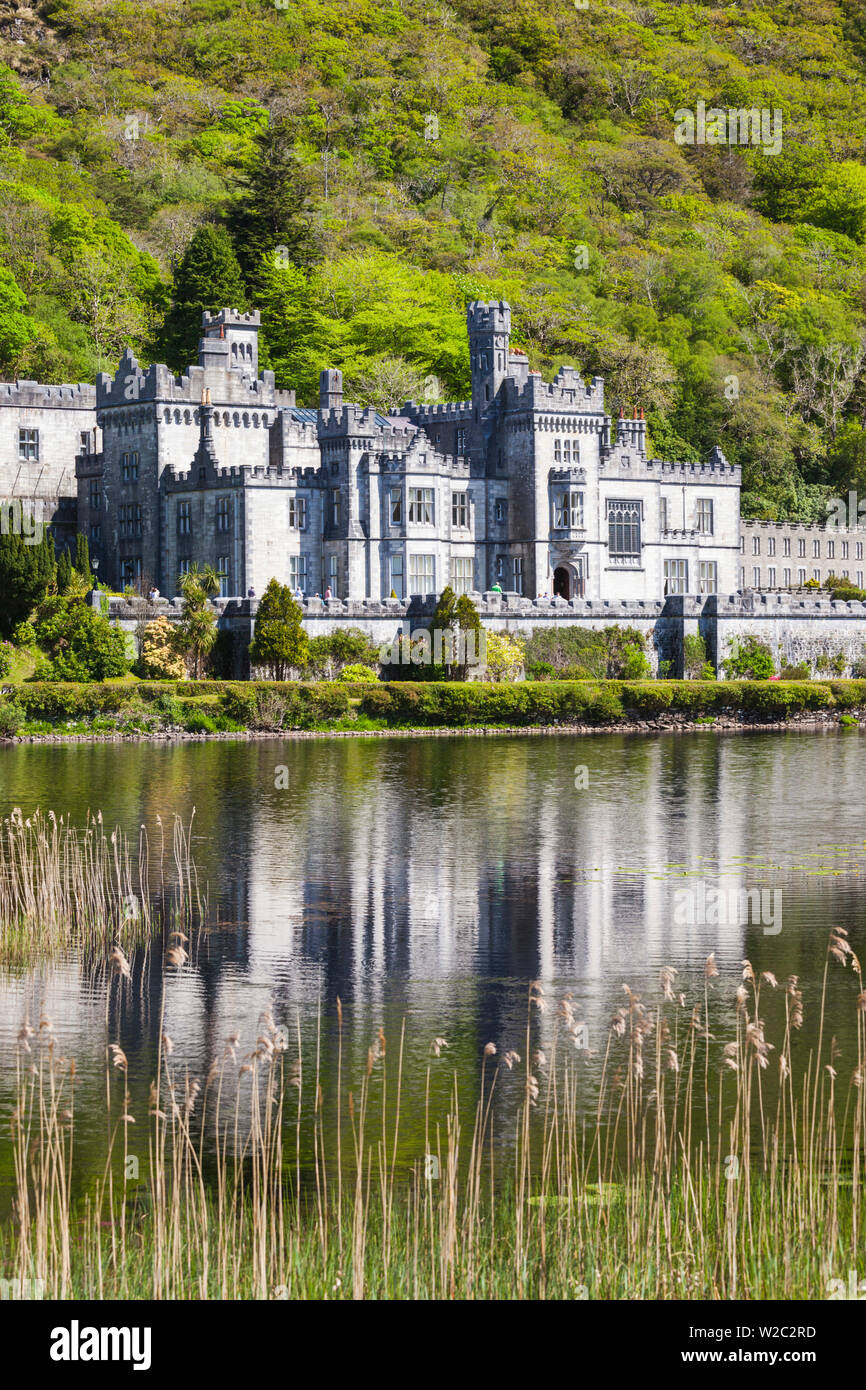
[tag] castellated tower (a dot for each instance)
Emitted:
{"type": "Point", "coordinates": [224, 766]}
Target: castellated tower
{"type": "Point", "coordinates": [240, 335]}
{"type": "Point", "coordinates": [489, 332]}
{"type": "Point", "coordinates": [489, 327]}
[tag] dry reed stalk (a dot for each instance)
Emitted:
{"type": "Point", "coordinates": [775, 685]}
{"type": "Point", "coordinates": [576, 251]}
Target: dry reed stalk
{"type": "Point", "coordinates": [624, 1191]}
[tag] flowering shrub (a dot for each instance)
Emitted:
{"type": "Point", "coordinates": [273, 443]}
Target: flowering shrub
{"type": "Point", "coordinates": [160, 658]}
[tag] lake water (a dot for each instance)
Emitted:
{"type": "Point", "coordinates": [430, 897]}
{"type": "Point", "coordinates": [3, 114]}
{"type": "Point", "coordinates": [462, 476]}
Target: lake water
{"type": "Point", "coordinates": [430, 880]}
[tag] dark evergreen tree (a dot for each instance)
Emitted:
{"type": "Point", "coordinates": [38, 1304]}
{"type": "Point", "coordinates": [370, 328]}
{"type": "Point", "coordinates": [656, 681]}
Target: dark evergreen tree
{"type": "Point", "coordinates": [208, 277]}
{"type": "Point", "coordinates": [82, 555]}
{"type": "Point", "coordinates": [27, 573]}
{"type": "Point", "coordinates": [468, 621]}
{"type": "Point", "coordinates": [274, 209]}
{"type": "Point", "coordinates": [279, 643]}
{"type": "Point", "coordinates": [64, 572]}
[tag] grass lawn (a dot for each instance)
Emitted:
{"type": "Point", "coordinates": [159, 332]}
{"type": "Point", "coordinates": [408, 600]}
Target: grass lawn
{"type": "Point", "coordinates": [23, 665]}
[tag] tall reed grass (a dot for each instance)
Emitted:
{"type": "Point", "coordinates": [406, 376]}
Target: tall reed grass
{"type": "Point", "coordinates": [671, 1165]}
{"type": "Point", "coordinates": [63, 886]}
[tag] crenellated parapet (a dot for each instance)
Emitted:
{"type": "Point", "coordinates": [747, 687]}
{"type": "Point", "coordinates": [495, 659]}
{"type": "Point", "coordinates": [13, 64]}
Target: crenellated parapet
{"type": "Point", "coordinates": [133, 385]}
{"type": "Point", "coordinates": [568, 391]}
{"type": "Point", "coordinates": [455, 412]}
{"type": "Point", "coordinates": [69, 396]}
{"type": "Point", "coordinates": [754, 603]}
{"type": "Point", "coordinates": [659, 469]}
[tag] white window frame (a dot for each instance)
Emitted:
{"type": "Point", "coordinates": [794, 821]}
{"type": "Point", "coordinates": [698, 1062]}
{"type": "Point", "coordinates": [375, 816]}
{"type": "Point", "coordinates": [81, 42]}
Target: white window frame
{"type": "Point", "coordinates": [676, 576]}
{"type": "Point", "coordinates": [422, 574]}
{"type": "Point", "coordinates": [708, 577]}
{"type": "Point", "coordinates": [462, 574]}
{"type": "Point", "coordinates": [224, 568]}
{"type": "Point", "coordinates": [421, 506]}
{"type": "Point", "coordinates": [704, 518]}
{"type": "Point", "coordinates": [28, 445]}
{"type": "Point", "coordinates": [568, 510]}
{"type": "Point", "coordinates": [298, 573]}
{"type": "Point", "coordinates": [630, 512]}
{"type": "Point", "coordinates": [396, 572]}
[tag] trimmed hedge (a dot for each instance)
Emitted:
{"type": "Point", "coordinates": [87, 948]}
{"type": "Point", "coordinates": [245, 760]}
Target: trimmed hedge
{"type": "Point", "coordinates": [277, 706]}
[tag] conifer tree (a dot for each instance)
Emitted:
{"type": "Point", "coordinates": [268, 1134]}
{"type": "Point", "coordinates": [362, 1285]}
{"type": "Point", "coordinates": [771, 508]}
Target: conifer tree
{"type": "Point", "coordinates": [279, 642]}
{"type": "Point", "coordinates": [82, 555]}
{"type": "Point", "coordinates": [27, 573]}
{"type": "Point", "coordinates": [208, 278]}
{"type": "Point", "coordinates": [64, 572]}
{"type": "Point", "coordinates": [273, 214]}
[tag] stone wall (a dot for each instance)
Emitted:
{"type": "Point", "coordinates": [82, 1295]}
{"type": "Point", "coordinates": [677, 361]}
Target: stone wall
{"type": "Point", "coordinates": [830, 636]}
{"type": "Point", "coordinates": [817, 631]}
{"type": "Point", "coordinates": [64, 421]}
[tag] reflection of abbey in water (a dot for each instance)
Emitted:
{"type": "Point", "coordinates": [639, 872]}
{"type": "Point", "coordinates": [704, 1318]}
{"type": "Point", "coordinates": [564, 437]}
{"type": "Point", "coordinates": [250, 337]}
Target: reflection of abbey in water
{"type": "Point", "coordinates": [429, 906]}
{"type": "Point", "coordinates": [417, 879]}
{"type": "Point", "coordinates": [529, 485]}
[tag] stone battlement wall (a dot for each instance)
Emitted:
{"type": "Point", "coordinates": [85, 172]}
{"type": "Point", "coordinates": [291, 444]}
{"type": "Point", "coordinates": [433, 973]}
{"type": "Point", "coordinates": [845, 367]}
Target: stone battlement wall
{"type": "Point", "coordinates": [80, 395]}
{"type": "Point", "coordinates": [829, 636]}
{"type": "Point", "coordinates": [132, 384]}
{"type": "Point", "coordinates": [666, 472]}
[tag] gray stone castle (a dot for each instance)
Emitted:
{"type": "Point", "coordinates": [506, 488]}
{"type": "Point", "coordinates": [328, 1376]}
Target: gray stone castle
{"type": "Point", "coordinates": [529, 488]}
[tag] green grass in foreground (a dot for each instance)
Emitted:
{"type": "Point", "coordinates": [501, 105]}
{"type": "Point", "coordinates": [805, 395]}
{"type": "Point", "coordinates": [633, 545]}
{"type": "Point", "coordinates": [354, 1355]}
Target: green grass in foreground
{"type": "Point", "coordinates": [672, 1164]}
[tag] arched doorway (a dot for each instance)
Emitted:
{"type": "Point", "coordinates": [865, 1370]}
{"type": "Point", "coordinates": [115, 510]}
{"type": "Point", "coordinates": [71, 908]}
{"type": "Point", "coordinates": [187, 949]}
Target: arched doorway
{"type": "Point", "coordinates": [568, 580]}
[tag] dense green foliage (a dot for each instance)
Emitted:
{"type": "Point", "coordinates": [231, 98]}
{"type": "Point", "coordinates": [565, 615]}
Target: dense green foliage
{"type": "Point", "coordinates": [377, 163]}
{"type": "Point", "coordinates": [264, 706]}
{"type": "Point", "coordinates": [329, 655]}
{"type": "Point", "coordinates": [78, 643]}
{"type": "Point", "coordinates": [27, 572]}
{"type": "Point", "coordinates": [279, 644]}
{"type": "Point", "coordinates": [751, 660]}
{"type": "Point", "coordinates": [564, 653]}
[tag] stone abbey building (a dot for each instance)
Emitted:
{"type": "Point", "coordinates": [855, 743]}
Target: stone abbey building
{"type": "Point", "coordinates": [529, 487]}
